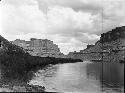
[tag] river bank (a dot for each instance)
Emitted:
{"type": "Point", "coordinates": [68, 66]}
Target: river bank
{"type": "Point", "coordinates": [18, 82]}
{"type": "Point", "coordinates": [23, 88]}
{"type": "Point", "coordinates": [18, 65]}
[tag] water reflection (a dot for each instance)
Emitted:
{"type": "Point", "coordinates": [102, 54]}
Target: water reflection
{"type": "Point", "coordinates": [82, 77]}
{"type": "Point", "coordinates": [79, 77]}
{"type": "Point", "coordinates": [111, 75]}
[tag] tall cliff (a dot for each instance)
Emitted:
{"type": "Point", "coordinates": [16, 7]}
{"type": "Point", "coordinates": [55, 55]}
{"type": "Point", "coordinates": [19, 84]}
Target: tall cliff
{"type": "Point", "coordinates": [40, 47]}
{"type": "Point", "coordinates": [117, 33]}
{"type": "Point", "coordinates": [110, 47]}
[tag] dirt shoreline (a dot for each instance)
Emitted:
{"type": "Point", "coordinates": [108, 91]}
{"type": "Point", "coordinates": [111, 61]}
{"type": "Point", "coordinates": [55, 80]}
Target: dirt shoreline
{"type": "Point", "coordinates": [23, 88]}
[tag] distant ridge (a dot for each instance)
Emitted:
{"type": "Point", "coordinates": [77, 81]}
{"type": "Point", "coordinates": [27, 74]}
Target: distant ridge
{"type": "Point", "coordinates": [116, 33]}
{"type": "Point", "coordinates": [110, 47]}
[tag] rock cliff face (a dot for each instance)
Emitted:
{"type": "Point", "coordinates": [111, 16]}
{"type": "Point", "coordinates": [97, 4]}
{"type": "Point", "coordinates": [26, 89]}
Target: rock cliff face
{"type": "Point", "coordinates": [7, 47]}
{"type": "Point", "coordinates": [110, 47]}
{"type": "Point", "coordinates": [117, 33]}
{"type": "Point", "coordinates": [39, 47]}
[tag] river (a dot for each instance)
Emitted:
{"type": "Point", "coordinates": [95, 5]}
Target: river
{"type": "Point", "coordinates": [85, 77]}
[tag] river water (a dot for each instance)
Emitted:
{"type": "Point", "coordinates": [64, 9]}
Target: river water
{"type": "Point", "coordinates": [84, 77]}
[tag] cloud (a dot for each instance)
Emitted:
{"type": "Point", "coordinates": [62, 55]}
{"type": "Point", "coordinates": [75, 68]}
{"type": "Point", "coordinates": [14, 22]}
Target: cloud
{"type": "Point", "coordinates": [77, 5]}
{"type": "Point", "coordinates": [69, 23]}
{"type": "Point", "coordinates": [19, 20]}
{"type": "Point", "coordinates": [18, 3]}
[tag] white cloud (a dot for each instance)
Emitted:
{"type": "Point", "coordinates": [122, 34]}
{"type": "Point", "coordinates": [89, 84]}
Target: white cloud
{"type": "Point", "coordinates": [20, 20]}
{"type": "Point", "coordinates": [69, 23]}
{"type": "Point", "coordinates": [86, 5]}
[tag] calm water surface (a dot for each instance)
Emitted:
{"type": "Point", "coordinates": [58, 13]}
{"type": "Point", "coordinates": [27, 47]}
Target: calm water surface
{"type": "Point", "coordinates": [82, 77]}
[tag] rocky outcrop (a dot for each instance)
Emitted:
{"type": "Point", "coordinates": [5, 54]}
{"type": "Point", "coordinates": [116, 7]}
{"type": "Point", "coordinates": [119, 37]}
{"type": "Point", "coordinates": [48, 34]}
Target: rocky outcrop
{"type": "Point", "coordinates": [7, 47]}
{"type": "Point", "coordinates": [117, 33]}
{"type": "Point", "coordinates": [110, 47]}
{"type": "Point", "coordinates": [39, 47]}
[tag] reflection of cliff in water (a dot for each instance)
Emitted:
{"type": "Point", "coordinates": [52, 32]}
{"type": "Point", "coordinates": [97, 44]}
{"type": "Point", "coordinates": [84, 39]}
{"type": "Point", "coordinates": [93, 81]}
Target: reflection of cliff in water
{"type": "Point", "coordinates": [112, 76]}
{"type": "Point", "coordinates": [94, 71]}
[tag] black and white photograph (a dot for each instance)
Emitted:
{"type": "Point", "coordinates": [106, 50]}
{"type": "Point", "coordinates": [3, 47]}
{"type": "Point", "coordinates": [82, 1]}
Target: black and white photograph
{"type": "Point", "coordinates": [64, 46]}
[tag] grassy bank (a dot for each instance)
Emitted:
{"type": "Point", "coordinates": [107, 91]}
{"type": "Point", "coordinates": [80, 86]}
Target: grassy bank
{"type": "Point", "coordinates": [18, 65]}
{"type": "Point", "coordinates": [21, 63]}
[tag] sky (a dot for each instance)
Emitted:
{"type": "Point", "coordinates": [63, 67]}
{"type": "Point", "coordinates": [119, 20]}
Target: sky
{"type": "Point", "coordinates": [71, 24]}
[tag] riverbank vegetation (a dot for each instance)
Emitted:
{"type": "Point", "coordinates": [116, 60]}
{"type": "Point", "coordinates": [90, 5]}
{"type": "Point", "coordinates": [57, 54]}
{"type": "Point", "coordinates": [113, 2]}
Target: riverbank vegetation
{"type": "Point", "coordinates": [16, 62]}
{"type": "Point", "coordinates": [17, 66]}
